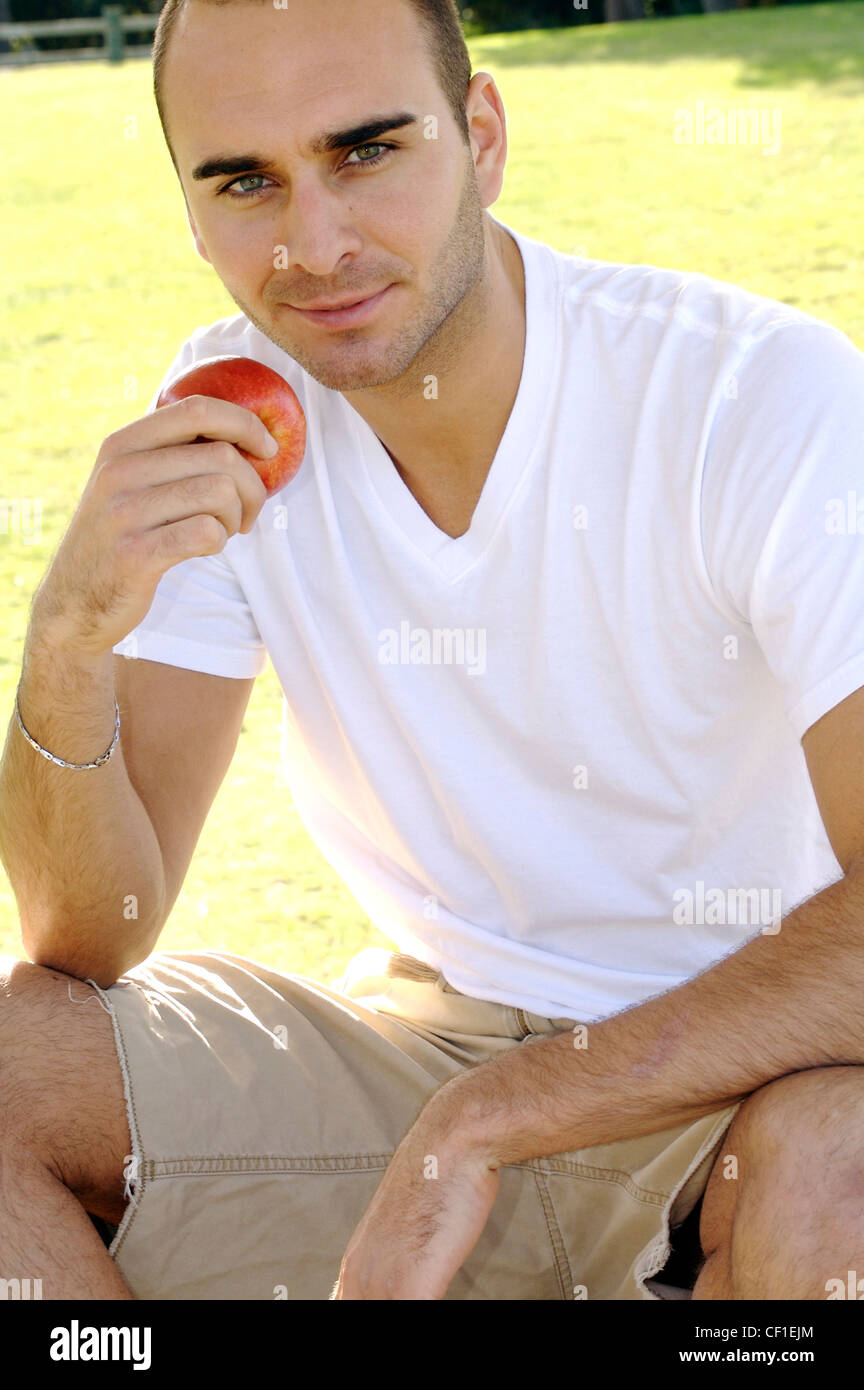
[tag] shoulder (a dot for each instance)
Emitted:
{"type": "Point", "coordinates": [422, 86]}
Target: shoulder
{"type": "Point", "coordinates": [688, 304]}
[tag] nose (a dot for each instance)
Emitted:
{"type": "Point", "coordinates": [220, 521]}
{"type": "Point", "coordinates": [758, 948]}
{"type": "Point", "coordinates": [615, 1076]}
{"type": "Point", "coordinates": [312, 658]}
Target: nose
{"type": "Point", "coordinates": [317, 230]}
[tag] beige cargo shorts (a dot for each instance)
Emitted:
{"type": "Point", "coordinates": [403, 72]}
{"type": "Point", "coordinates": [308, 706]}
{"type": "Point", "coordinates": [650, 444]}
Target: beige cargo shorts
{"type": "Point", "coordinates": [264, 1110]}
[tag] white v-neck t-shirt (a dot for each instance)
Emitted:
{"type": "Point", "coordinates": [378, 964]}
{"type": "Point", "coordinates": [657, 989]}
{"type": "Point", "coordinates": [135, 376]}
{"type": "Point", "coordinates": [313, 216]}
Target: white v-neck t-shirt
{"type": "Point", "coordinates": [559, 757]}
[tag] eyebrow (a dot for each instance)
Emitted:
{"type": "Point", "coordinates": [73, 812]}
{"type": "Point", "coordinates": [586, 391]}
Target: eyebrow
{"type": "Point", "coordinates": [220, 165]}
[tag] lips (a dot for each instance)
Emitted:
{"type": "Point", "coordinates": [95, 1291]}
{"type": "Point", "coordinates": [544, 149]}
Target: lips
{"type": "Point", "coordinates": [335, 304]}
{"type": "Point", "coordinates": [347, 314]}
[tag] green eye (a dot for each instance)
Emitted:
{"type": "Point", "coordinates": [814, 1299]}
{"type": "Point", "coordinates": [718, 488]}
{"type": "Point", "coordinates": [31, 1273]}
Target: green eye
{"type": "Point", "coordinates": [376, 159]}
{"type": "Point", "coordinates": [245, 179]}
{"type": "Point", "coordinates": [234, 190]}
{"type": "Point", "coordinates": [247, 186]}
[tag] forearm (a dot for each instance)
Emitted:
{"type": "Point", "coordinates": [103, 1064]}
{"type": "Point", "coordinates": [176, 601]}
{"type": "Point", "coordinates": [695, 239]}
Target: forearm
{"type": "Point", "coordinates": [78, 846]}
{"type": "Point", "coordinates": [783, 1002]}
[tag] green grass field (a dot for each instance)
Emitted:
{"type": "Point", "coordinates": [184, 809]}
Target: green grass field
{"type": "Point", "coordinates": [101, 284]}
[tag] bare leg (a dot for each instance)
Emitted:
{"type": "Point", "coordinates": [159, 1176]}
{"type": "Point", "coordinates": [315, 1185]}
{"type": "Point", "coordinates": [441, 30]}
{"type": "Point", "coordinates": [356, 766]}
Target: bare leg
{"type": "Point", "coordinates": [64, 1136]}
{"type": "Point", "coordinates": [792, 1219]}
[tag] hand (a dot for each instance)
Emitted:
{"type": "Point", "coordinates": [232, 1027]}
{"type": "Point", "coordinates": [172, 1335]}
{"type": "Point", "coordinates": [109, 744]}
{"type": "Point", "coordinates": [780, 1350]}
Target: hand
{"type": "Point", "coordinates": [424, 1220]}
{"type": "Point", "coordinates": [165, 488]}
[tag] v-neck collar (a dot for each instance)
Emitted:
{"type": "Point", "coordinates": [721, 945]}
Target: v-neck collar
{"type": "Point", "coordinates": [454, 555]}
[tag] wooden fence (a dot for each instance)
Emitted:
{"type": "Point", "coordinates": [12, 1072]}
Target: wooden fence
{"type": "Point", "coordinates": [112, 24]}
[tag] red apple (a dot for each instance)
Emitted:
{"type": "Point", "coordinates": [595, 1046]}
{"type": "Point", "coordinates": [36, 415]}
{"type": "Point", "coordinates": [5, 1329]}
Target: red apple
{"type": "Point", "coordinates": [258, 388]}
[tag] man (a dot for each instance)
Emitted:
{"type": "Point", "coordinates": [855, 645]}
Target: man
{"type": "Point", "coordinates": [572, 649]}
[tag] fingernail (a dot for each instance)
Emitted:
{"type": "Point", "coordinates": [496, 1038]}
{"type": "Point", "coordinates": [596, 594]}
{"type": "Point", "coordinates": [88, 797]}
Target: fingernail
{"type": "Point", "coordinates": [273, 446]}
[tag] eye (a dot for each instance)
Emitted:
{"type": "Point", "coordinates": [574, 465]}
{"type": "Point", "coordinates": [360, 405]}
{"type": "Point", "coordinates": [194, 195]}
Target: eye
{"type": "Point", "coordinates": [233, 191]}
{"type": "Point", "coordinates": [236, 190]}
{"type": "Point", "coordinates": [376, 159]}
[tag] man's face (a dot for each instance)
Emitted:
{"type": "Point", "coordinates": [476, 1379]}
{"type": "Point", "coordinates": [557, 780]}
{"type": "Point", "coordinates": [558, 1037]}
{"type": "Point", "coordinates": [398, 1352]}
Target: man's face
{"type": "Point", "coordinates": [396, 212]}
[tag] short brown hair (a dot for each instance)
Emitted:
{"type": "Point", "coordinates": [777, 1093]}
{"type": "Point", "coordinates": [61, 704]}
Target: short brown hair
{"type": "Point", "coordinates": [439, 20]}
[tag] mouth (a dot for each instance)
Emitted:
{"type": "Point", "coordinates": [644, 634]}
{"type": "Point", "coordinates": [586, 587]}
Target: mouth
{"type": "Point", "coordinates": [345, 314]}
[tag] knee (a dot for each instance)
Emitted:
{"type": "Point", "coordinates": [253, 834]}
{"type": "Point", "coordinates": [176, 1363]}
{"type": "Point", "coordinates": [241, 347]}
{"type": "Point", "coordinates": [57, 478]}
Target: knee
{"type": "Point", "coordinates": [27, 989]}
{"type": "Point", "coordinates": [812, 1116]}
{"type": "Point", "coordinates": [32, 1000]}
{"type": "Point", "coordinates": [795, 1143]}
{"type": "Point", "coordinates": [23, 974]}
{"type": "Point", "coordinates": [786, 1214]}
{"type": "Point", "coordinates": [23, 985]}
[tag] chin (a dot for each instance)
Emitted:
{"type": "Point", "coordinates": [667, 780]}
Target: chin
{"type": "Point", "coordinates": [338, 372]}
{"type": "Point", "coordinates": [357, 380]}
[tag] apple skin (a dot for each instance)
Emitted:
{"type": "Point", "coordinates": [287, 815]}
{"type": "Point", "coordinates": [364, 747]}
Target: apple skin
{"type": "Point", "coordinates": [249, 383]}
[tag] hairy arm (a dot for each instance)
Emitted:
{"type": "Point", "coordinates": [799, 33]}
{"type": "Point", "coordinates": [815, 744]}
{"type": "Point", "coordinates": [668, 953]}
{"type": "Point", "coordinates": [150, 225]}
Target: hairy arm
{"type": "Point", "coordinates": [780, 1003]}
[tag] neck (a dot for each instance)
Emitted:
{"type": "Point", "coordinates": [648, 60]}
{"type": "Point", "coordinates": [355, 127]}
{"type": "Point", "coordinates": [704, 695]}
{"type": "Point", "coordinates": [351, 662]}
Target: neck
{"type": "Point", "coordinates": [443, 436]}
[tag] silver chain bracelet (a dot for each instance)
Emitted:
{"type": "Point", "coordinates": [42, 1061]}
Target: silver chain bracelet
{"type": "Point", "coordinates": [61, 762]}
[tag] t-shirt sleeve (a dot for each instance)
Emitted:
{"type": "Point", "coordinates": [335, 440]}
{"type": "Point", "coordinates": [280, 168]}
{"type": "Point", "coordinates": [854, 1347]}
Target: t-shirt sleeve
{"type": "Point", "coordinates": [783, 511]}
{"type": "Point", "coordinates": [199, 618]}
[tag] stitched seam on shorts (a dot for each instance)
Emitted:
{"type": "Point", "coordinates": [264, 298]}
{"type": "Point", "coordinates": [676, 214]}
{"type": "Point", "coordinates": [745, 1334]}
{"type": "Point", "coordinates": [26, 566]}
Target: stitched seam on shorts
{"type": "Point", "coordinates": [208, 1165]}
{"type": "Point", "coordinates": [203, 1165]}
{"type": "Point", "coordinates": [556, 1240]}
{"type": "Point", "coordinates": [580, 1170]}
{"type": "Point", "coordinates": [129, 1214]}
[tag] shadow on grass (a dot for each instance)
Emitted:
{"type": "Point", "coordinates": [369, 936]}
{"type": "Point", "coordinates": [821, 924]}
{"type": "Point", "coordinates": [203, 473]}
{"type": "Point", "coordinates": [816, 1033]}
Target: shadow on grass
{"type": "Point", "coordinates": [776, 48]}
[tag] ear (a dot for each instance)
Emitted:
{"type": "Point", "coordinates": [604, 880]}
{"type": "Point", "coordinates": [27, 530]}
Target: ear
{"type": "Point", "coordinates": [198, 239]}
{"type": "Point", "coordinates": [487, 123]}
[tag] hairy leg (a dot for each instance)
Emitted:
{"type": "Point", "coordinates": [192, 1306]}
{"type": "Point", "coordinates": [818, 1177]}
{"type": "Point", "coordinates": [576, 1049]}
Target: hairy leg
{"type": "Point", "coordinates": [64, 1137]}
{"type": "Point", "coordinates": [791, 1220]}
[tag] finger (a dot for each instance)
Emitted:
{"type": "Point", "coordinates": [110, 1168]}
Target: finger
{"type": "Point", "coordinates": [204, 494]}
{"type": "Point", "coordinates": [168, 545]}
{"type": "Point", "coordinates": [196, 417]}
{"type": "Point", "coordinates": [130, 476]}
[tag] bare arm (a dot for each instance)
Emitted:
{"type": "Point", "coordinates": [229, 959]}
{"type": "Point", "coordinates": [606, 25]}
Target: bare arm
{"type": "Point", "coordinates": [76, 849]}
{"type": "Point", "coordinates": [79, 847]}
{"type": "Point", "coordinates": [779, 1004]}
{"type": "Point", "coordinates": [92, 877]}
